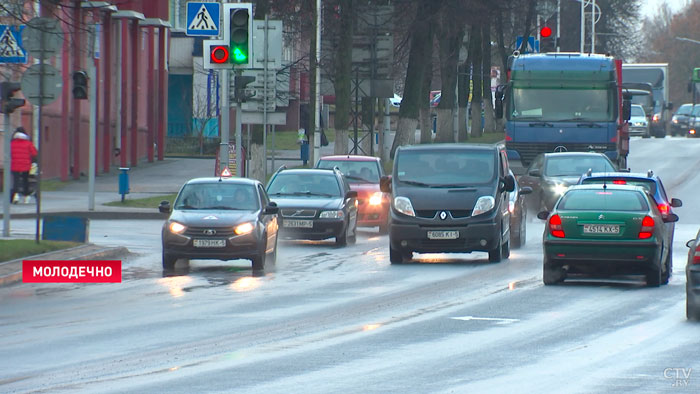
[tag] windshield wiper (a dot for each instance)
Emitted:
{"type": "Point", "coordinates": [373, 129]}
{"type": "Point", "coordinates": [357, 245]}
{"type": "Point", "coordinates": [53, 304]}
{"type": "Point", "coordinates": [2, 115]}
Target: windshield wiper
{"type": "Point", "coordinates": [187, 207]}
{"type": "Point", "coordinates": [357, 178]}
{"type": "Point", "coordinates": [454, 185]}
{"type": "Point", "coordinates": [302, 194]}
{"type": "Point", "coordinates": [416, 183]}
{"type": "Point", "coordinates": [588, 124]}
{"type": "Point", "coordinates": [223, 207]}
{"type": "Point", "coordinates": [546, 124]}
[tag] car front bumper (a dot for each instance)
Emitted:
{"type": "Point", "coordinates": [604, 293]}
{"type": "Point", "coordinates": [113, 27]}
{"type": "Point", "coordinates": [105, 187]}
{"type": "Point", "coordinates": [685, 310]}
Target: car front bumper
{"type": "Point", "coordinates": [237, 247]}
{"type": "Point", "coordinates": [473, 236]}
{"type": "Point", "coordinates": [322, 229]}
{"type": "Point", "coordinates": [372, 215]}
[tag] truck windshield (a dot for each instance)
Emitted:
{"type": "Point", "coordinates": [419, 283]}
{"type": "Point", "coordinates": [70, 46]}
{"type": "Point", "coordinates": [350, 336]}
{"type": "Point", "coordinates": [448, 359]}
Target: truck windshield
{"type": "Point", "coordinates": [442, 168]}
{"type": "Point", "coordinates": [592, 105]}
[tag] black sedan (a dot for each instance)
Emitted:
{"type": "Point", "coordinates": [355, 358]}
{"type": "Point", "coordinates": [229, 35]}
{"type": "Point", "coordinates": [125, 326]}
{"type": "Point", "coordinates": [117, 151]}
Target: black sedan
{"type": "Point", "coordinates": [220, 219]}
{"type": "Point", "coordinates": [692, 284]}
{"type": "Point", "coordinates": [315, 204]}
{"type": "Point", "coordinates": [518, 214]}
{"type": "Point", "coordinates": [551, 174]}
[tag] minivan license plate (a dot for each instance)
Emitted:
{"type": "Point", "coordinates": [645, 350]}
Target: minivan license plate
{"type": "Point", "coordinates": [601, 229]}
{"type": "Point", "coordinates": [209, 243]}
{"type": "Point", "coordinates": [443, 234]}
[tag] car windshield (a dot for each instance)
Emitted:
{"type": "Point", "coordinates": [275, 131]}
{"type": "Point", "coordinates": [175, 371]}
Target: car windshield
{"type": "Point", "coordinates": [354, 171]}
{"type": "Point", "coordinates": [446, 168]}
{"type": "Point", "coordinates": [575, 165]}
{"type": "Point", "coordinates": [696, 110]}
{"type": "Point", "coordinates": [637, 111]}
{"type": "Point", "coordinates": [603, 200]}
{"type": "Point", "coordinates": [649, 185]}
{"type": "Point", "coordinates": [304, 184]}
{"type": "Point", "coordinates": [593, 105]}
{"type": "Point", "coordinates": [685, 109]}
{"type": "Point", "coordinates": [218, 196]}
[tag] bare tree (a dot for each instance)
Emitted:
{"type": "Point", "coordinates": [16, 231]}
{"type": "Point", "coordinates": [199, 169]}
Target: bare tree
{"type": "Point", "coordinates": [451, 33]}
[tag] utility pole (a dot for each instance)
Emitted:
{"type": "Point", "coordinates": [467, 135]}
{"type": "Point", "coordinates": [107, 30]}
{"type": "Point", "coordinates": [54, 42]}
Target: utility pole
{"type": "Point", "coordinates": [317, 107]}
{"type": "Point", "coordinates": [225, 112]}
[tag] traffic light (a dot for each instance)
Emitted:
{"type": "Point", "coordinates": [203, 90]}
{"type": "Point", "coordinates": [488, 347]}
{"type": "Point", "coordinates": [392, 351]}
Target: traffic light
{"type": "Point", "coordinates": [80, 85]}
{"type": "Point", "coordinates": [240, 28]}
{"type": "Point", "coordinates": [219, 54]}
{"type": "Point", "coordinates": [546, 40]}
{"type": "Point", "coordinates": [9, 103]}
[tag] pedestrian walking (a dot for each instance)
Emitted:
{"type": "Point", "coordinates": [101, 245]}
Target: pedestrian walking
{"type": "Point", "coordinates": [22, 154]}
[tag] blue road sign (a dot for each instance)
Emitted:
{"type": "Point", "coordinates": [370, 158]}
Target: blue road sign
{"type": "Point", "coordinates": [203, 19]}
{"type": "Point", "coordinates": [11, 50]}
{"type": "Point", "coordinates": [533, 46]}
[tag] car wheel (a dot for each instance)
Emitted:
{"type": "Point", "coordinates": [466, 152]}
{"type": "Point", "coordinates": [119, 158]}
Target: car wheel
{"type": "Point", "coordinates": [506, 249]}
{"type": "Point", "coordinates": [646, 135]}
{"type": "Point", "coordinates": [668, 265]}
{"type": "Point", "coordinates": [259, 261]}
{"type": "Point", "coordinates": [384, 227]}
{"type": "Point", "coordinates": [397, 256]}
{"type": "Point", "coordinates": [272, 257]}
{"type": "Point", "coordinates": [353, 239]}
{"type": "Point", "coordinates": [551, 275]}
{"type": "Point", "coordinates": [692, 311]}
{"type": "Point", "coordinates": [342, 238]}
{"type": "Point", "coordinates": [496, 254]}
{"type": "Point", "coordinates": [169, 261]}
{"type": "Point", "coordinates": [654, 277]}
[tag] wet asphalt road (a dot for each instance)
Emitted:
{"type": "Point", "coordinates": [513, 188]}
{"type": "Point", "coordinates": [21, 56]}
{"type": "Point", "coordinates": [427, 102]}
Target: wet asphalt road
{"type": "Point", "coordinates": [331, 320]}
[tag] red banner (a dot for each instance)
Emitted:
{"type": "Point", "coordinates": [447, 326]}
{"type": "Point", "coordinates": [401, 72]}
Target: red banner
{"type": "Point", "coordinates": [71, 271]}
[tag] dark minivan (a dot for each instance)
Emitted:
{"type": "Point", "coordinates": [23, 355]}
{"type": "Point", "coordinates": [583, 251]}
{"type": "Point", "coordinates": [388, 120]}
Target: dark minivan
{"type": "Point", "coordinates": [449, 198]}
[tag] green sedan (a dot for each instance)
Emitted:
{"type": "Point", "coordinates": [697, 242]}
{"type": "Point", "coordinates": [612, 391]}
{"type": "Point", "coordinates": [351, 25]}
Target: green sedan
{"type": "Point", "coordinates": [606, 229]}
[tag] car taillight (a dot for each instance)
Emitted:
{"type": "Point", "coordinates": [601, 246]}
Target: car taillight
{"type": "Point", "coordinates": [619, 182]}
{"type": "Point", "coordinates": [647, 228]}
{"type": "Point", "coordinates": [656, 117]}
{"type": "Point", "coordinates": [696, 256]}
{"type": "Point", "coordinates": [509, 138]}
{"type": "Point", "coordinates": [555, 227]}
{"type": "Point", "coordinates": [663, 208]}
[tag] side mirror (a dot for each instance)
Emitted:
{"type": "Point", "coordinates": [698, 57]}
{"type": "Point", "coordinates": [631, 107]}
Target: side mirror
{"type": "Point", "coordinates": [690, 243]}
{"type": "Point", "coordinates": [351, 194]}
{"type": "Point", "coordinates": [670, 218]}
{"type": "Point", "coordinates": [676, 202]}
{"type": "Point", "coordinates": [164, 206]}
{"type": "Point", "coordinates": [535, 173]}
{"type": "Point", "coordinates": [525, 190]}
{"type": "Point", "coordinates": [509, 183]}
{"type": "Point", "coordinates": [385, 184]}
{"type": "Point", "coordinates": [271, 208]}
{"type": "Point", "coordinates": [543, 215]}
{"type": "Point", "coordinates": [626, 109]}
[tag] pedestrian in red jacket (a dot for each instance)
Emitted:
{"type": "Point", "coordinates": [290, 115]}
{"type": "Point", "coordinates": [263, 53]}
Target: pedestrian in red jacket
{"type": "Point", "coordinates": [22, 153]}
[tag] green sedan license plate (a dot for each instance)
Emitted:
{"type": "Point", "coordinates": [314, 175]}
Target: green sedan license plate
{"type": "Point", "coordinates": [601, 228]}
{"type": "Point", "coordinates": [209, 243]}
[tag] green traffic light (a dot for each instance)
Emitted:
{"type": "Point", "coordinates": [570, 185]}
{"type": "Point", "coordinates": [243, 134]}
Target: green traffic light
{"type": "Point", "coordinates": [239, 56]}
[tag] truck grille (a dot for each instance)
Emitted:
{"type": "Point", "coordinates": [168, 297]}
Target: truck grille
{"type": "Point", "coordinates": [209, 231]}
{"type": "Point", "coordinates": [432, 213]}
{"type": "Point", "coordinates": [528, 150]}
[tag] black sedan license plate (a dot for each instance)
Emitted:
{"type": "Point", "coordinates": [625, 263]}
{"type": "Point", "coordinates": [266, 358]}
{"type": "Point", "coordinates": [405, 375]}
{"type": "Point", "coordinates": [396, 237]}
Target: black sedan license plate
{"type": "Point", "coordinates": [209, 243]}
{"type": "Point", "coordinates": [443, 234]}
{"type": "Point", "coordinates": [601, 229]}
{"type": "Point", "coordinates": [298, 223]}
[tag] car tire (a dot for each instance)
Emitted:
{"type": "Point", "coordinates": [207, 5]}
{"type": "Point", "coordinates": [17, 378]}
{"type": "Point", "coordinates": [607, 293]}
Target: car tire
{"type": "Point", "coordinates": [518, 240]}
{"type": "Point", "coordinates": [272, 257]}
{"type": "Point", "coordinates": [353, 239]}
{"type": "Point", "coordinates": [397, 256]}
{"type": "Point", "coordinates": [496, 254]}
{"type": "Point", "coordinates": [668, 265]}
{"type": "Point", "coordinates": [258, 261]}
{"type": "Point", "coordinates": [653, 277]}
{"type": "Point", "coordinates": [169, 261]}
{"type": "Point", "coordinates": [342, 238]}
{"type": "Point", "coordinates": [692, 311]}
{"type": "Point", "coordinates": [646, 135]}
{"type": "Point", "coordinates": [551, 275]}
{"type": "Point", "coordinates": [384, 227]}
{"type": "Point", "coordinates": [506, 249]}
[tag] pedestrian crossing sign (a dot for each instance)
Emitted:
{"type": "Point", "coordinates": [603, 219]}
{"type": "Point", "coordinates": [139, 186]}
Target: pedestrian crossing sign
{"type": "Point", "coordinates": [11, 50]}
{"type": "Point", "coordinates": [203, 19]}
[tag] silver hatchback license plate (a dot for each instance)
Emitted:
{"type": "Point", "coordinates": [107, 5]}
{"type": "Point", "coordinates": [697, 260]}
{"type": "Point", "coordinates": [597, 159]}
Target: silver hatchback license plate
{"type": "Point", "coordinates": [443, 234]}
{"type": "Point", "coordinates": [298, 223]}
{"type": "Point", "coordinates": [601, 228]}
{"type": "Point", "coordinates": [209, 243]}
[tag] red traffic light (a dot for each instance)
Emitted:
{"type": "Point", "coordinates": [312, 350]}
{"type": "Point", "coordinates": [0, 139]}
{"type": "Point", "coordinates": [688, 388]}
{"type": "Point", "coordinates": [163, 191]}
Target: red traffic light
{"type": "Point", "coordinates": [219, 54]}
{"type": "Point", "coordinates": [545, 32]}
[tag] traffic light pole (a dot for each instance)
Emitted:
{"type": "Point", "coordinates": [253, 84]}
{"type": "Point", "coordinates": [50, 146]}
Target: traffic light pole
{"type": "Point", "coordinates": [6, 178]}
{"type": "Point", "coordinates": [239, 139]}
{"type": "Point", "coordinates": [225, 122]}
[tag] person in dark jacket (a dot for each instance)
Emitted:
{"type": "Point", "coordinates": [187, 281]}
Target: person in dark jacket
{"type": "Point", "coordinates": [22, 153]}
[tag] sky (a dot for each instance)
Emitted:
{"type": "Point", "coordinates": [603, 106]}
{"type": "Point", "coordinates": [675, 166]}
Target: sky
{"type": "Point", "coordinates": [650, 7]}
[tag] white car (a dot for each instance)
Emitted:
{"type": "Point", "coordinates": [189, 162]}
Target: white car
{"type": "Point", "coordinates": [639, 124]}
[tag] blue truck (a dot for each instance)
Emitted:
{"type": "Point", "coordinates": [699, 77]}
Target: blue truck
{"type": "Point", "coordinates": [563, 102]}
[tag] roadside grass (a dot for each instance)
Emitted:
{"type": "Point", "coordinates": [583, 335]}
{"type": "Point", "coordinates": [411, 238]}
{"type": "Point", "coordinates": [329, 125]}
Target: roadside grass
{"type": "Point", "coordinates": [147, 202]}
{"type": "Point", "coordinates": [51, 185]}
{"type": "Point", "coordinates": [11, 249]}
{"type": "Point", "coordinates": [287, 140]}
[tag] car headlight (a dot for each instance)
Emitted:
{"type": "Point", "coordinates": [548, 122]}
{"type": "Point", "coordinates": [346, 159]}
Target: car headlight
{"type": "Point", "coordinates": [332, 215]}
{"type": "Point", "coordinates": [558, 188]}
{"type": "Point", "coordinates": [403, 205]}
{"type": "Point", "coordinates": [177, 228]}
{"type": "Point", "coordinates": [674, 120]}
{"type": "Point", "coordinates": [243, 228]}
{"type": "Point", "coordinates": [376, 199]}
{"type": "Point", "coordinates": [483, 205]}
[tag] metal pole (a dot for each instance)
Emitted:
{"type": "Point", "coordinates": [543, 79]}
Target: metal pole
{"type": "Point", "coordinates": [265, 68]}
{"type": "Point", "coordinates": [92, 97]}
{"type": "Point", "coordinates": [239, 141]}
{"type": "Point", "coordinates": [6, 177]}
{"type": "Point", "coordinates": [583, 25]}
{"type": "Point", "coordinates": [273, 149]}
{"type": "Point", "coordinates": [317, 111]}
{"type": "Point", "coordinates": [118, 84]}
{"type": "Point", "coordinates": [38, 136]}
{"type": "Point", "coordinates": [225, 111]}
{"type": "Point", "coordinates": [558, 24]}
{"type": "Point", "coordinates": [387, 130]}
{"type": "Point", "coordinates": [593, 27]}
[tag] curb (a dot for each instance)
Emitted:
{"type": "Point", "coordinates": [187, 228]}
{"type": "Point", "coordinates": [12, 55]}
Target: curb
{"type": "Point", "coordinates": [104, 253]}
{"type": "Point", "coordinates": [98, 215]}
